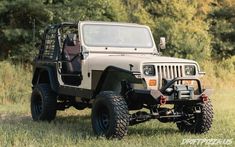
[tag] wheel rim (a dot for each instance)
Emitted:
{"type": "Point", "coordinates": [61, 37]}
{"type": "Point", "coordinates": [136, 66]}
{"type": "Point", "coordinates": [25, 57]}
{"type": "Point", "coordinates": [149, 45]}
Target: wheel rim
{"type": "Point", "coordinates": [37, 104]}
{"type": "Point", "coordinates": [103, 119]}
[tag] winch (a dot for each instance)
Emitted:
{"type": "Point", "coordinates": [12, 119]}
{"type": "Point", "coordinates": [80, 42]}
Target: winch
{"type": "Point", "coordinates": [183, 92]}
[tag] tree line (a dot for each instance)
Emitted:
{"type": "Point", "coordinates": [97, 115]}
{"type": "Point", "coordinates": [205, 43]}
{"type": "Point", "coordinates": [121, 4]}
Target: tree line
{"type": "Point", "coordinates": [194, 29]}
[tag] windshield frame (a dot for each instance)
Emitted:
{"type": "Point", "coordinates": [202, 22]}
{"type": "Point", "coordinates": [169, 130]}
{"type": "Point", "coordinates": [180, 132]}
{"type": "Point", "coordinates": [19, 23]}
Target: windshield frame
{"type": "Point", "coordinates": [104, 49]}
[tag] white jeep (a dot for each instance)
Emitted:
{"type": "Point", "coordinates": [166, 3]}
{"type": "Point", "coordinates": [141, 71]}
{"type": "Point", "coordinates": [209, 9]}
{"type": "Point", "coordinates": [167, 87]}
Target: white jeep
{"type": "Point", "coordinates": [115, 68]}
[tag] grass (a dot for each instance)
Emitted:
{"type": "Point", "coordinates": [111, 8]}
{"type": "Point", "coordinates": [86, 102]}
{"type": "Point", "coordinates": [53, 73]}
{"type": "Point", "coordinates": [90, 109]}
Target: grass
{"type": "Point", "coordinates": [14, 83]}
{"type": "Point", "coordinates": [73, 128]}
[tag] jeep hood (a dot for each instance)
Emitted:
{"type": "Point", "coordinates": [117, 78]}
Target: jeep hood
{"type": "Point", "coordinates": [100, 62]}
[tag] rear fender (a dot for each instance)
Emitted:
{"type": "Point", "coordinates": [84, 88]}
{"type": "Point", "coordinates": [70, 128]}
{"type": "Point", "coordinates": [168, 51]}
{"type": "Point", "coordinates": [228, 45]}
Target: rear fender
{"type": "Point", "coordinates": [45, 74]}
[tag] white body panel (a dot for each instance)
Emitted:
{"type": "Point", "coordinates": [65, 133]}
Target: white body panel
{"type": "Point", "coordinates": [99, 58]}
{"type": "Point", "coordinates": [97, 61]}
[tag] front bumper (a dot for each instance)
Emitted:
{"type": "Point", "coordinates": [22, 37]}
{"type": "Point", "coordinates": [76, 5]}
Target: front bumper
{"type": "Point", "coordinates": [153, 97]}
{"type": "Point", "coordinates": [158, 97]}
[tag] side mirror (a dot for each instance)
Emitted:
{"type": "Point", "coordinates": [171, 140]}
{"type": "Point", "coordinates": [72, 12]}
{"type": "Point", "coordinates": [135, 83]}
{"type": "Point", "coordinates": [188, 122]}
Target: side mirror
{"type": "Point", "coordinates": [162, 44]}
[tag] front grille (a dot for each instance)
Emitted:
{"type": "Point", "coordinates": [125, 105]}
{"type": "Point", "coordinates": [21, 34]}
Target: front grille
{"type": "Point", "coordinates": [168, 72]}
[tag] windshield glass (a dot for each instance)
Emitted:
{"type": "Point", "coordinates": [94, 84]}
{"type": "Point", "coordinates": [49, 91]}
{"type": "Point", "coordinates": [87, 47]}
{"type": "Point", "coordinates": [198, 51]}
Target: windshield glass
{"type": "Point", "coordinates": [116, 36]}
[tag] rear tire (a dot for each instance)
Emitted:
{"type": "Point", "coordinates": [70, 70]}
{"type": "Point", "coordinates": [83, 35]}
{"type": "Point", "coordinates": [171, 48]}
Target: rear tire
{"type": "Point", "coordinates": [110, 115]}
{"type": "Point", "coordinates": [201, 122]}
{"type": "Point", "coordinates": [43, 103]}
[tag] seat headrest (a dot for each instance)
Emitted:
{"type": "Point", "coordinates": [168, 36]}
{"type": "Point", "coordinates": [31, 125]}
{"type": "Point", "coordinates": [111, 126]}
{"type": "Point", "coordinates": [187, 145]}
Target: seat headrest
{"type": "Point", "coordinates": [71, 39]}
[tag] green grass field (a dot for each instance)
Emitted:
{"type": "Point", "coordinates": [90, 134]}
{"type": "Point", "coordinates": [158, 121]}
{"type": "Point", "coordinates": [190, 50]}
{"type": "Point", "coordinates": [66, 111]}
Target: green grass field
{"type": "Point", "coordinates": [73, 128]}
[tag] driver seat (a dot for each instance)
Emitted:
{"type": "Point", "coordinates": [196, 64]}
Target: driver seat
{"type": "Point", "coordinates": [71, 68]}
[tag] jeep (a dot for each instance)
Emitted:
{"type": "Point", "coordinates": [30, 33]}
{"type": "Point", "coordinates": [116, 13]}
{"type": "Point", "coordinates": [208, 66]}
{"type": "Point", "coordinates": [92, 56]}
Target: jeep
{"type": "Point", "coordinates": [117, 70]}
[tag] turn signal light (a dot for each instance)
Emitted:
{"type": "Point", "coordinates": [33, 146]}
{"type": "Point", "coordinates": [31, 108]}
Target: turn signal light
{"type": "Point", "coordinates": [152, 82]}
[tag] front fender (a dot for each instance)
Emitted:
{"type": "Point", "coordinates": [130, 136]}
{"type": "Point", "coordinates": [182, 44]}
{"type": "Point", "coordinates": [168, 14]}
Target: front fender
{"type": "Point", "coordinates": [111, 77]}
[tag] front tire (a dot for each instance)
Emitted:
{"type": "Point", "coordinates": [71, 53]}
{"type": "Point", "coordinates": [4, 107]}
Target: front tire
{"type": "Point", "coordinates": [43, 103]}
{"type": "Point", "coordinates": [200, 122]}
{"type": "Point", "coordinates": [110, 115]}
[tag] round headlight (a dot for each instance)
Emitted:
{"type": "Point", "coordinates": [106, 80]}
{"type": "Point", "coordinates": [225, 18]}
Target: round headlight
{"type": "Point", "coordinates": [190, 70]}
{"type": "Point", "coordinates": [149, 70]}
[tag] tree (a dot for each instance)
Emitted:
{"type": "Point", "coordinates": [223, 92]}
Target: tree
{"type": "Point", "coordinates": [194, 29]}
{"type": "Point", "coordinates": [179, 22]}
{"type": "Point", "coordinates": [223, 29]}
{"type": "Point", "coordinates": [95, 10]}
{"type": "Point", "coordinates": [17, 19]}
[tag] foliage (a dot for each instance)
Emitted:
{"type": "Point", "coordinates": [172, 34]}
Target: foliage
{"type": "Point", "coordinates": [16, 32]}
{"type": "Point", "coordinates": [223, 29]}
{"type": "Point", "coordinates": [186, 34]}
{"type": "Point", "coordinates": [195, 29]}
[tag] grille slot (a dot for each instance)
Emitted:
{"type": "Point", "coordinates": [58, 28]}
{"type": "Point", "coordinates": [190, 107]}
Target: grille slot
{"type": "Point", "coordinates": [168, 72]}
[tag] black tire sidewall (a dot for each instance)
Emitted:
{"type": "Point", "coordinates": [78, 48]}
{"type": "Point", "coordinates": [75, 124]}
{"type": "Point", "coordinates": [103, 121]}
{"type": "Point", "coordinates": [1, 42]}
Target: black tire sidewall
{"type": "Point", "coordinates": [113, 131]}
{"type": "Point", "coordinates": [101, 101]}
{"type": "Point", "coordinates": [48, 111]}
{"type": "Point", "coordinates": [36, 93]}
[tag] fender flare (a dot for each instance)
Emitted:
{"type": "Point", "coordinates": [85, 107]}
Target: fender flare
{"type": "Point", "coordinates": [51, 76]}
{"type": "Point", "coordinates": [104, 77]}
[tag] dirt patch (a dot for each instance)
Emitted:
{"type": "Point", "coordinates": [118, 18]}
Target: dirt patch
{"type": "Point", "coordinates": [6, 117]}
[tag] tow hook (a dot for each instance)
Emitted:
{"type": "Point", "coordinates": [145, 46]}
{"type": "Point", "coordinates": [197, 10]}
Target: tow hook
{"type": "Point", "coordinates": [204, 98]}
{"type": "Point", "coordinates": [162, 100]}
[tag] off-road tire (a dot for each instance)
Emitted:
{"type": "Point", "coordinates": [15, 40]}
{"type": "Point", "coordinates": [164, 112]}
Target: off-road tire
{"type": "Point", "coordinates": [110, 117]}
{"type": "Point", "coordinates": [202, 121]}
{"type": "Point", "coordinates": [43, 103]}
